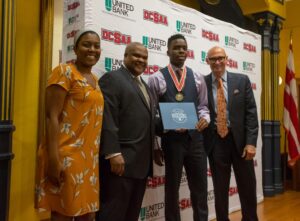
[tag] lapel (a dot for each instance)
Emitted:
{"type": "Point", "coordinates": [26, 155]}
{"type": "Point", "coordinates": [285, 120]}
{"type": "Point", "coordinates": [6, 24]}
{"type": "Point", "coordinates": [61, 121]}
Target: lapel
{"type": "Point", "coordinates": [231, 84]}
{"type": "Point", "coordinates": [136, 87]}
{"type": "Point", "coordinates": [210, 93]}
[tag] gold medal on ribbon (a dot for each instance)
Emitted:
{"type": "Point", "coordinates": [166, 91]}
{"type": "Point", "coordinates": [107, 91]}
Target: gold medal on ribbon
{"type": "Point", "coordinates": [179, 96]}
{"type": "Point", "coordinates": [179, 84]}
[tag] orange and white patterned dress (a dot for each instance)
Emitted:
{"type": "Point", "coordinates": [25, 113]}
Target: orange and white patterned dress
{"type": "Point", "coordinates": [79, 139]}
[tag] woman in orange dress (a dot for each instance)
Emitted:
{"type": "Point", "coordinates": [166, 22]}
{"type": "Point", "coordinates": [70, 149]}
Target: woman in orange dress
{"type": "Point", "coordinates": [67, 171]}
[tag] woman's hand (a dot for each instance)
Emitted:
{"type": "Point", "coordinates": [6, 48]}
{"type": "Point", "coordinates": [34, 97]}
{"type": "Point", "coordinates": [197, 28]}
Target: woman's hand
{"type": "Point", "coordinates": [55, 172]}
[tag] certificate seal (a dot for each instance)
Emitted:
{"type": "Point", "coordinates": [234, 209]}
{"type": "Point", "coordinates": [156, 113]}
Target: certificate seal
{"type": "Point", "coordinates": [179, 116]}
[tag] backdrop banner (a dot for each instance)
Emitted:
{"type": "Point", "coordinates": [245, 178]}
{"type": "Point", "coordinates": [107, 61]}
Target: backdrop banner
{"type": "Point", "coordinates": [119, 22]}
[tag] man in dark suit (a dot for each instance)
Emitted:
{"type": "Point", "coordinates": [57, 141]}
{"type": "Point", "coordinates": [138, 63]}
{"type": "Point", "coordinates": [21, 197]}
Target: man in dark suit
{"type": "Point", "coordinates": [182, 147]}
{"type": "Point", "coordinates": [231, 137]}
{"type": "Point", "coordinates": [127, 137]}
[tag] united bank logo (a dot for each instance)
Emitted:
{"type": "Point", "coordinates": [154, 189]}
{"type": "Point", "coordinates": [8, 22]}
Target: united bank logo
{"type": "Point", "coordinates": [151, 69]}
{"type": "Point", "coordinates": [203, 57]}
{"type": "Point", "coordinates": [70, 48]}
{"type": "Point", "coordinates": [232, 63]}
{"type": "Point", "coordinates": [151, 212]}
{"type": "Point", "coordinates": [231, 42]}
{"type": "Point", "coordinates": [248, 66]}
{"type": "Point", "coordinates": [115, 36]}
{"type": "Point", "coordinates": [249, 47]}
{"type": "Point", "coordinates": [210, 35]}
{"type": "Point", "coordinates": [118, 7]}
{"type": "Point", "coordinates": [155, 17]}
{"type": "Point", "coordinates": [210, 196]}
{"type": "Point", "coordinates": [73, 19]}
{"type": "Point", "coordinates": [185, 27]}
{"type": "Point", "coordinates": [112, 64]}
{"type": "Point", "coordinates": [155, 44]}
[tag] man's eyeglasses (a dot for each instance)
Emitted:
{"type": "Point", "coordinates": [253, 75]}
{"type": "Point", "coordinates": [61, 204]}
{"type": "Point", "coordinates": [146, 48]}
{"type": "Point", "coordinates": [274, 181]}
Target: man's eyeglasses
{"type": "Point", "coordinates": [215, 59]}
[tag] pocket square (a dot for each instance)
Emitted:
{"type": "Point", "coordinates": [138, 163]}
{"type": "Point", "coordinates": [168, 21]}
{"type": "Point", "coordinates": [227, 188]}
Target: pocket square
{"type": "Point", "coordinates": [236, 91]}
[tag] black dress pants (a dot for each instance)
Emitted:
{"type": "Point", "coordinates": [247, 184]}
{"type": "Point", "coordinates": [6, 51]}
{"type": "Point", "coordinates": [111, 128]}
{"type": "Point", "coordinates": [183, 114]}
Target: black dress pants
{"type": "Point", "coordinates": [120, 197]}
{"type": "Point", "coordinates": [180, 150]}
{"type": "Point", "coordinates": [223, 156]}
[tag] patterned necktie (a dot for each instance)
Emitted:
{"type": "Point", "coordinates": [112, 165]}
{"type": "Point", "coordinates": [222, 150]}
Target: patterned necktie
{"type": "Point", "coordinates": [178, 74]}
{"type": "Point", "coordinates": [221, 110]}
{"type": "Point", "coordinates": [143, 90]}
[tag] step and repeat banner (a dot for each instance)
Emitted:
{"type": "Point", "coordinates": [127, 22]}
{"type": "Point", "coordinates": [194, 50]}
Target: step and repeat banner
{"type": "Point", "coordinates": [119, 22]}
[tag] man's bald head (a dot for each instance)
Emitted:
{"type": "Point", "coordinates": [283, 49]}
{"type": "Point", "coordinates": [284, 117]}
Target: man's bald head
{"type": "Point", "coordinates": [216, 49]}
{"type": "Point", "coordinates": [133, 45]}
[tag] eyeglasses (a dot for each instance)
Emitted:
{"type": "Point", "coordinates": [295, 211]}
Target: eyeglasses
{"type": "Point", "coordinates": [215, 59]}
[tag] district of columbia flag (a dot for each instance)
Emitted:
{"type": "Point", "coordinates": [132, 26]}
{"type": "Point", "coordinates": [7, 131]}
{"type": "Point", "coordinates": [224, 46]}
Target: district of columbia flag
{"type": "Point", "coordinates": [290, 117]}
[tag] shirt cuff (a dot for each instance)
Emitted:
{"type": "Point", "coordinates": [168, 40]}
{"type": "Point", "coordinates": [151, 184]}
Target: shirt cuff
{"type": "Point", "coordinates": [206, 117]}
{"type": "Point", "coordinates": [108, 156]}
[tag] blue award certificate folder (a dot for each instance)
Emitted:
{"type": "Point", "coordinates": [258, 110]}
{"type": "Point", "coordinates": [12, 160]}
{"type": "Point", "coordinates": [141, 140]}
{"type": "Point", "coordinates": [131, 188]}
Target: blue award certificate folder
{"type": "Point", "coordinates": [178, 115]}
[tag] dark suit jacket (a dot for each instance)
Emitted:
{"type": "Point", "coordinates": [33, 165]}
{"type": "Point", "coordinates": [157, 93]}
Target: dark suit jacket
{"type": "Point", "coordinates": [242, 112]}
{"type": "Point", "coordinates": [128, 122]}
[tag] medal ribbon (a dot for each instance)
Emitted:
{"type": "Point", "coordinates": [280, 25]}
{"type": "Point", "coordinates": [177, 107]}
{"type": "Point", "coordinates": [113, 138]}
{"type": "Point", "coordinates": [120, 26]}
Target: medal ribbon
{"type": "Point", "coordinates": [178, 84]}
